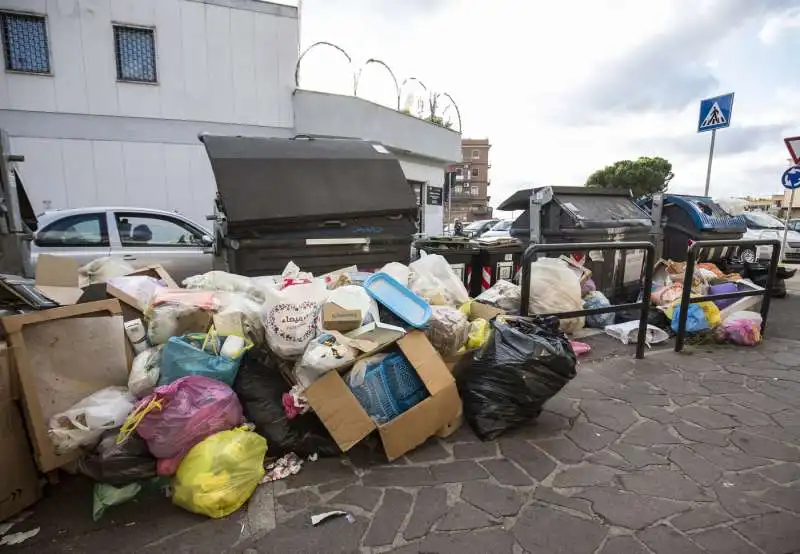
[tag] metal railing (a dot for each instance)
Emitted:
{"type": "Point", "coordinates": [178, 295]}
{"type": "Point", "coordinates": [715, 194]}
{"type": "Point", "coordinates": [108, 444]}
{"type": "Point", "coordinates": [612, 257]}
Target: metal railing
{"type": "Point", "coordinates": [691, 262]}
{"type": "Point", "coordinates": [530, 256]}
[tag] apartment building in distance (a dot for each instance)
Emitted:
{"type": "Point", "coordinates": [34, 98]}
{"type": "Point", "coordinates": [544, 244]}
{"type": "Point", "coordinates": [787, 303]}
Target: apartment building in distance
{"type": "Point", "coordinates": [470, 194]}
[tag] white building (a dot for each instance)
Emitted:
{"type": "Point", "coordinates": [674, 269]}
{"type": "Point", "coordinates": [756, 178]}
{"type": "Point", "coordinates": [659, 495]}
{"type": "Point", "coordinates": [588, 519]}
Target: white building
{"type": "Point", "coordinates": [105, 98]}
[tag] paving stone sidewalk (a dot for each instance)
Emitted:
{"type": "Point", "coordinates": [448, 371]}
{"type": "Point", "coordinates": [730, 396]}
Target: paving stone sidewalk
{"type": "Point", "coordinates": [677, 453]}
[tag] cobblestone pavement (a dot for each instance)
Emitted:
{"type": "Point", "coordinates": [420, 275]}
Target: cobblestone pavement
{"type": "Point", "coordinates": [677, 453]}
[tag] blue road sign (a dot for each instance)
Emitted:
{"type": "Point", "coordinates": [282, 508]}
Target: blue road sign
{"type": "Point", "coordinates": [715, 113]}
{"type": "Point", "coordinates": [791, 178]}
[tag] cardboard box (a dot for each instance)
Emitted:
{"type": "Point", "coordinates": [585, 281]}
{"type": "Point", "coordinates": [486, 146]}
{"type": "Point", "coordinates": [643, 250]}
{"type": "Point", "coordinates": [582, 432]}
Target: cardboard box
{"type": "Point", "coordinates": [8, 387]}
{"type": "Point", "coordinates": [348, 423]}
{"type": "Point", "coordinates": [336, 318]}
{"type": "Point", "coordinates": [62, 356]}
{"type": "Point", "coordinates": [19, 485]}
{"type": "Point", "coordinates": [451, 427]}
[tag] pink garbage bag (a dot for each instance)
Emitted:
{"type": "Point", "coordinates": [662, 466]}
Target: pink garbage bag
{"type": "Point", "coordinates": [179, 415]}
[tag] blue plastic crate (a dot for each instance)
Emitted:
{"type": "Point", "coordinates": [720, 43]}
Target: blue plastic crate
{"type": "Point", "coordinates": [390, 387]}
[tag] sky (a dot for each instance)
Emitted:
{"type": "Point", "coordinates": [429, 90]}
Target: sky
{"type": "Point", "coordinates": [565, 88]}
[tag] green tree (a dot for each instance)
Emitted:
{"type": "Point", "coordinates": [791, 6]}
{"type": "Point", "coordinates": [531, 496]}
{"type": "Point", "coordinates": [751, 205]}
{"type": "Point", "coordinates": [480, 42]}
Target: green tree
{"type": "Point", "coordinates": [643, 176]}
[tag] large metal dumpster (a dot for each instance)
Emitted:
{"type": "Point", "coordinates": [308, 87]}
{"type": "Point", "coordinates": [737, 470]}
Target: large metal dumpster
{"type": "Point", "coordinates": [322, 203]}
{"type": "Point", "coordinates": [580, 214]}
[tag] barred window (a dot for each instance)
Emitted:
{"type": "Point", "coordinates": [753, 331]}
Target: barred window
{"type": "Point", "coordinates": [25, 43]}
{"type": "Point", "coordinates": [135, 50]}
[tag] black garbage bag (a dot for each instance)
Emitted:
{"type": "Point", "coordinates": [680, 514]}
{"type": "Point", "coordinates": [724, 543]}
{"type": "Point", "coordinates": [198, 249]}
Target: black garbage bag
{"type": "Point", "coordinates": [526, 361]}
{"type": "Point", "coordinates": [654, 317]}
{"type": "Point", "coordinates": [119, 464]}
{"type": "Point", "coordinates": [759, 274]}
{"type": "Point", "coordinates": [260, 387]}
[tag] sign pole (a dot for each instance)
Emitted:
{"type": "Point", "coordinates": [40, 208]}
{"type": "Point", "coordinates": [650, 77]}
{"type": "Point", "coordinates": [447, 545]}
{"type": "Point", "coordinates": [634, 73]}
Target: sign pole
{"type": "Point", "coordinates": [786, 222]}
{"type": "Point", "coordinates": [710, 160]}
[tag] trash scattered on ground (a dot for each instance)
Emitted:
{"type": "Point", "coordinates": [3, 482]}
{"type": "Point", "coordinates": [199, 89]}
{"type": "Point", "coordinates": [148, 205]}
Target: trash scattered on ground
{"type": "Point", "coordinates": [325, 516]}
{"type": "Point", "coordinates": [284, 467]}
{"type": "Point", "coordinates": [18, 538]}
{"type": "Point", "coordinates": [105, 496]}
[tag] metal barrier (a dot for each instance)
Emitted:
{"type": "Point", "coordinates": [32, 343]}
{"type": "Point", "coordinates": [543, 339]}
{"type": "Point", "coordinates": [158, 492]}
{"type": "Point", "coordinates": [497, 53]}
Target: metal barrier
{"type": "Point", "coordinates": [691, 261]}
{"type": "Point", "coordinates": [530, 256]}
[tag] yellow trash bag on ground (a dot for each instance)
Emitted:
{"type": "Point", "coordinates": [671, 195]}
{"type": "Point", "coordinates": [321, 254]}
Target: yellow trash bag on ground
{"type": "Point", "coordinates": [219, 474]}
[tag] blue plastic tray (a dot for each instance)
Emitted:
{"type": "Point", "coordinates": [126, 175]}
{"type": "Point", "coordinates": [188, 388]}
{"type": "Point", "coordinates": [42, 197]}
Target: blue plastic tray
{"type": "Point", "coordinates": [399, 299]}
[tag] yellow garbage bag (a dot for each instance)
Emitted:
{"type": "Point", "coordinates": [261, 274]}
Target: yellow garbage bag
{"type": "Point", "coordinates": [479, 330]}
{"type": "Point", "coordinates": [220, 473]}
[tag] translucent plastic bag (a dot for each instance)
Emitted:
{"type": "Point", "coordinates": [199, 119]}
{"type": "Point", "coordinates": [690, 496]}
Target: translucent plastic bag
{"type": "Point", "coordinates": [479, 331]}
{"type": "Point", "coordinates": [220, 474]}
{"type": "Point", "coordinates": [628, 332]}
{"type": "Point", "coordinates": [434, 280]}
{"type": "Point", "coordinates": [448, 329]}
{"type": "Point", "coordinates": [743, 328]}
{"type": "Point", "coordinates": [145, 371]}
{"type": "Point", "coordinates": [178, 416]}
{"type": "Point", "coordinates": [200, 354]}
{"type": "Point", "coordinates": [556, 288]}
{"type": "Point", "coordinates": [398, 271]}
{"type": "Point", "coordinates": [101, 270]}
{"type": "Point", "coordinates": [504, 295]}
{"type": "Point", "coordinates": [290, 317]}
{"type": "Point", "coordinates": [223, 281]}
{"type": "Point", "coordinates": [695, 319]}
{"type": "Point", "coordinates": [325, 352]}
{"type": "Point", "coordinates": [173, 320]}
{"type": "Point", "coordinates": [84, 422]}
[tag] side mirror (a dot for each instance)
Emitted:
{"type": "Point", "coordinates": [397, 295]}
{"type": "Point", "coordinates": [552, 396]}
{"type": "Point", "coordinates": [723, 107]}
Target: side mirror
{"type": "Point", "coordinates": [207, 240]}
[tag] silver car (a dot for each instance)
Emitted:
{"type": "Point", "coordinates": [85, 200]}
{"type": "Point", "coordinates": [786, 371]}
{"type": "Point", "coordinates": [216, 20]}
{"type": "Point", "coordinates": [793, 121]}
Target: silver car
{"type": "Point", "coordinates": [138, 236]}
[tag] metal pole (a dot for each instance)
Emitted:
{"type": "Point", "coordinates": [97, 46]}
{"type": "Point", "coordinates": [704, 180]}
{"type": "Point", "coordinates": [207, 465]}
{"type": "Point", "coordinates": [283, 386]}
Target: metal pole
{"type": "Point", "coordinates": [450, 182]}
{"type": "Point", "coordinates": [710, 159]}
{"type": "Point", "coordinates": [786, 222]}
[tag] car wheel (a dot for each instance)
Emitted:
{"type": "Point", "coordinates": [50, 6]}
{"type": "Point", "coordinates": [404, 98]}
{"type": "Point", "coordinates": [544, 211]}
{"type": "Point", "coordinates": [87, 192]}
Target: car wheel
{"type": "Point", "coordinates": [748, 255]}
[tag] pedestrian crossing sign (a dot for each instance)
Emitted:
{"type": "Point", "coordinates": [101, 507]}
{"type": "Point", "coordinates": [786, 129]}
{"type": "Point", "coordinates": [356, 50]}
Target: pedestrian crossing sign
{"type": "Point", "coordinates": [715, 113]}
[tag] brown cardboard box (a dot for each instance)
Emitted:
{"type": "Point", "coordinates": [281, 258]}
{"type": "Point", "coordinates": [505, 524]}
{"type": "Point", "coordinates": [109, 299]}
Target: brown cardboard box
{"type": "Point", "coordinates": [336, 318]}
{"type": "Point", "coordinates": [19, 485]}
{"type": "Point", "coordinates": [62, 356]}
{"type": "Point", "coordinates": [348, 423]}
{"type": "Point", "coordinates": [8, 388]}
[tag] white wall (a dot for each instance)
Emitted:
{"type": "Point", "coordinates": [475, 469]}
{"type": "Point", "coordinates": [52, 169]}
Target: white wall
{"type": "Point", "coordinates": [425, 171]}
{"type": "Point", "coordinates": [65, 173]}
{"type": "Point", "coordinates": [214, 63]}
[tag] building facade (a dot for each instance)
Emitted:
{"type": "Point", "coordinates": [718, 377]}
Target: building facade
{"type": "Point", "coordinates": [106, 98]}
{"type": "Point", "coordinates": [470, 195]}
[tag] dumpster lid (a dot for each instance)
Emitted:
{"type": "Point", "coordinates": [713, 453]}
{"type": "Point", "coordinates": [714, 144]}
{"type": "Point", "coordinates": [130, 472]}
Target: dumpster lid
{"type": "Point", "coordinates": [306, 178]}
{"type": "Point", "coordinates": [589, 207]}
{"type": "Point", "coordinates": [706, 214]}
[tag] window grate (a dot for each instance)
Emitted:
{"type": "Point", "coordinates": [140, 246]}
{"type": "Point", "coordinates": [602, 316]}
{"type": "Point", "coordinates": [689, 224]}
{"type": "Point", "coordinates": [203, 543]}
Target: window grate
{"type": "Point", "coordinates": [25, 43]}
{"type": "Point", "coordinates": [135, 49]}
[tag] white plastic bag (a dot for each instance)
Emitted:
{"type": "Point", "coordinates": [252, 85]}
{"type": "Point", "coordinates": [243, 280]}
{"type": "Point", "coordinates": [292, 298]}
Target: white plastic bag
{"type": "Point", "coordinates": [628, 332]}
{"type": "Point", "coordinates": [399, 272]}
{"type": "Point", "coordinates": [555, 288]}
{"type": "Point", "coordinates": [84, 422]}
{"type": "Point", "coordinates": [145, 371]}
{"type": "Point", "coordinates": [504, 295]}
{"type": "Point", "coordinates": [140, 287]}
{"type": "Point", "coordinates": [434, 280]}
{"type": "Point", "coordinates": [749, 316]}
{"type": "Point", "coordinates": [101, 270]}
{"type": "Point", "coordinates": [226, 282]}
{"type": "Point", "coordinates": [324, 353]}
{"type": "Point", "coordinates": [290, 317]}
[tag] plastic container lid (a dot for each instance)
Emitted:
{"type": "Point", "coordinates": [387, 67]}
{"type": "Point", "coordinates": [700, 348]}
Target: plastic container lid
{"type": "Point", "coordinates": [404, 303]}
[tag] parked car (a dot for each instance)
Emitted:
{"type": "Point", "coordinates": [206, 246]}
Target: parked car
{"type": "Point", "coordinates": [794, 224]}
{"type": "Point", "coordinates": [138, 236]}
{"type": "Point", "coordinates": [478, 228]}
{"type": "Point", "coordinates": [761, 225]}
{"type": "Point", "coordinates": [499, 229]}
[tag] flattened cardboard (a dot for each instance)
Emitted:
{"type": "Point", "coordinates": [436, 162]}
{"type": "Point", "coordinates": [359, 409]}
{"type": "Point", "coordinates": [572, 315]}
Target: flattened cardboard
{"type": "Point", "coordinates": [62, 356]}
{"type": "Point", "coordinates": [19, 485]}
{"type": "Point", "coordinates": [57, 279]}
{"type": "Point", "coordinates": [348, 422]}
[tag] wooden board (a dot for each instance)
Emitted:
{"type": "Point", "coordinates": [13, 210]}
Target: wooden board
{"type": "Point", "coordinates": [62, 356]}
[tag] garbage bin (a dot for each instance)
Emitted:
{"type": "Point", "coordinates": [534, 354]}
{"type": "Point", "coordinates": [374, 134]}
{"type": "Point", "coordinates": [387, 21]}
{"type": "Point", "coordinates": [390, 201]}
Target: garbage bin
{"type": "Point", "coordinates": [460, 252]}
{"type": "Point", "coordinates": [581, 214]}
{"type": "Point", "coordinates": [690, 218]}
{"type": "Point", "coordinates": [322, 203]}
{"type": "Point", "coordinates": [498, 258]}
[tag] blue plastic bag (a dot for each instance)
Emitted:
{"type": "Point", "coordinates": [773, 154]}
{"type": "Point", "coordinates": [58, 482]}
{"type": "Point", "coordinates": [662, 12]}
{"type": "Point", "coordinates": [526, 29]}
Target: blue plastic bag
{"type": "Point", "coordinates": [198, 354]}
{"type": "Point", "coordinates": [597, 299]}
{"type": "Point", "coordinates": [695, 319]}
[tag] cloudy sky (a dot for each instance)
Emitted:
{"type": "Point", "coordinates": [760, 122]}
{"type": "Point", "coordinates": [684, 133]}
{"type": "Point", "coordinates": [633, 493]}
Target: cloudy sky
{"type": "Point", "coordinates": [564, 88]}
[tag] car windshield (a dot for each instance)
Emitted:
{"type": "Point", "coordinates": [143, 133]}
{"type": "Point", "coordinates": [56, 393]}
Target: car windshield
{"type": "Point", "coordinates": [761, 220]}
{"type": "Point", "coordinates": [502, 226]}
{"type": "Point", "coordinates": [475, 225]}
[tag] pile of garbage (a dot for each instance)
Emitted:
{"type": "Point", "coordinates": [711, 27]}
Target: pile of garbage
{"type": "Point", "coordinates": [233, 381]}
